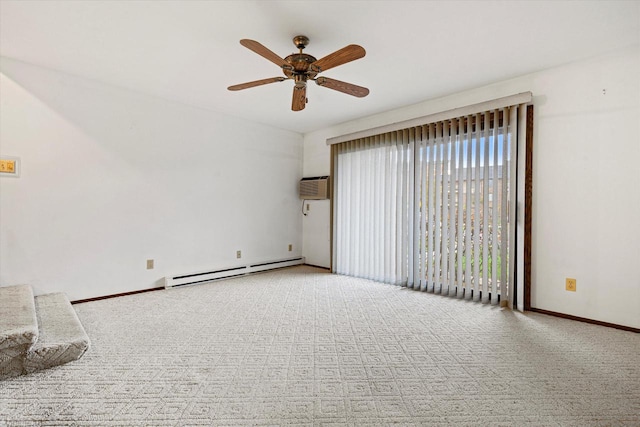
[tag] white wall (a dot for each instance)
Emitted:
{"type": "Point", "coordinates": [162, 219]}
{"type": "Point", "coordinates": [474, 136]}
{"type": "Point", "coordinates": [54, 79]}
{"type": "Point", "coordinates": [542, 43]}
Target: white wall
{"type": "Point", "coordinates": [586, 194]}
{"type": "Point", "coordinates": [315, 239]}
{"type": "Point", "coordinates": [111, 178]}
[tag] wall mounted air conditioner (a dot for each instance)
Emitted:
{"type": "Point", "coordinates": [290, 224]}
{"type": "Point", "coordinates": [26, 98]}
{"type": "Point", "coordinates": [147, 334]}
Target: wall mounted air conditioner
{"type": "Point", "coordinates": [314, 188]}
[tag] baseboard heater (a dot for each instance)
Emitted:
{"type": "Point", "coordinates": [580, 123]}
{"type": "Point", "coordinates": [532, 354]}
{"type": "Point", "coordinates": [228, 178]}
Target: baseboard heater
{"type": "Point", "coordinates": [223, 273]}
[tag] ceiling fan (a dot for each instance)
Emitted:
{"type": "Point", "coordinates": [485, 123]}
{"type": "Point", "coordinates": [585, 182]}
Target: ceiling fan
{"type": "Point", "coordinates": [301, 67]}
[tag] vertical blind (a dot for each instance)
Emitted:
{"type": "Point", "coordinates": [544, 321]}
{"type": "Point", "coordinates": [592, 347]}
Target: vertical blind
{"type": "Point", "coordinates": [430, 207]}
{"type": "Point", "coordinates": [371, 220]}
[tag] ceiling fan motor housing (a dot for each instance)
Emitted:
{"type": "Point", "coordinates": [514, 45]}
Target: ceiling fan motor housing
{"type": "Point", "coordinates": [300, 63]}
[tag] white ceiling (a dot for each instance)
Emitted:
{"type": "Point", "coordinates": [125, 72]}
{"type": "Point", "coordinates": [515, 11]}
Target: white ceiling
{"type": "Point", "coordinates": [189, 51]}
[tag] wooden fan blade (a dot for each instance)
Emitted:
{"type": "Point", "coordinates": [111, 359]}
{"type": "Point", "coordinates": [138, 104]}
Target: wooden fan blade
{"type": "Point", "coordinates": [339, 57]}
{"type": "Point", "coordinates": [348, 88]}
{"type": "Point", "coordinates": [299, 98]}
{"type": "Point", "coordinates": [264, 52]}
{"type": "Point", "coordinates": [256, 83]}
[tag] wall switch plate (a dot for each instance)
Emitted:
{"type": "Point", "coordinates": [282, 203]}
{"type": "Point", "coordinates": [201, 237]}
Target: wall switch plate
{"type": "Point", "coordinates": [149, 264]}
{"type": "Point", "coordinates": [238, 254]}
{"type": "Point", "coordinates": [570, 284]}
{"type": "Point", "coordinates": [9, 166]}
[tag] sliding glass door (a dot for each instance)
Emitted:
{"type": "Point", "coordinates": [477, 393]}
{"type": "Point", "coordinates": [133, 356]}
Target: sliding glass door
{"type": "Point", "coordinates": [430, 207]}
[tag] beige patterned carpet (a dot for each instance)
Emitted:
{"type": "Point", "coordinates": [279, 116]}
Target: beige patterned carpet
{"type": "Point", "coordinates": [303, 347]}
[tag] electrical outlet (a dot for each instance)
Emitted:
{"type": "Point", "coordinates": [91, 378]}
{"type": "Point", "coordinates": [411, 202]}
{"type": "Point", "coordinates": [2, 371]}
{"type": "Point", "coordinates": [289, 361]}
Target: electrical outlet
{"type": "Point", "coordinates": [238, 254]}
{"type": "Point", "coordinates": [307, 207]}
{"type": "Point", "coordinates": [149, 264]}
{"type": "Point", "coordinates": [290, 247]}
{"type": "Point", "coordinates": [570, 285]}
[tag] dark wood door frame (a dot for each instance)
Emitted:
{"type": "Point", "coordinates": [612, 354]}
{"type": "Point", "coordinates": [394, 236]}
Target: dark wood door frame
{"type": "Point", "coordinates": [528, 199]}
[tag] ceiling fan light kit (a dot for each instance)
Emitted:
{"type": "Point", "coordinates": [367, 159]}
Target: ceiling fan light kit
{"type": "Point", "coordinates": [301, 67]}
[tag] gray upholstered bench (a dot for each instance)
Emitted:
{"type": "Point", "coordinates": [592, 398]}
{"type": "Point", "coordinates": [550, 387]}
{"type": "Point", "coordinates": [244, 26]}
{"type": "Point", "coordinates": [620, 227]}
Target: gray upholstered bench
{"type": "Point", "coordinates": [37, 333]}
{"type": "Point", "coordinates": [18, 328]}
{"type": "Point", "coordinates": [61, 337]}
